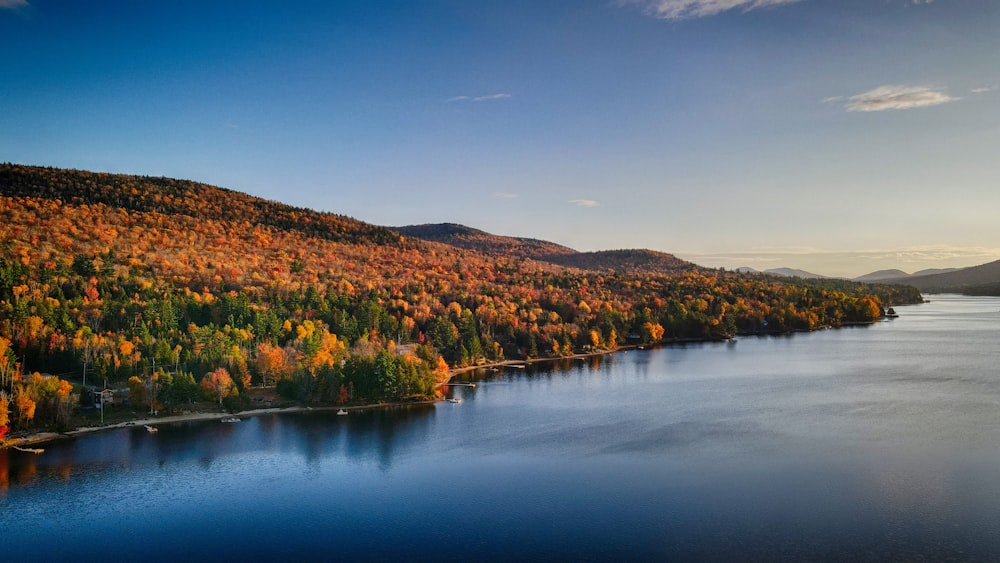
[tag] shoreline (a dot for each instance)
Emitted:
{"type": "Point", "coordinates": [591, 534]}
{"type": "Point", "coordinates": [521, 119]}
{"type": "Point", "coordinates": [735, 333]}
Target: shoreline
{"type": "Point", "coordinates": [45, 437]}
{"type": "Point", "coordinates": [51, 436]}
{"type": "Point", "coordinates": [510, 363]}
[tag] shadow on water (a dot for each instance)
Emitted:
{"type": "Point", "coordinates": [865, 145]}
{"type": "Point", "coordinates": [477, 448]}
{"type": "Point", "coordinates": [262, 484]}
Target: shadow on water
{"type": "Point", "coordinates": [373, 435]}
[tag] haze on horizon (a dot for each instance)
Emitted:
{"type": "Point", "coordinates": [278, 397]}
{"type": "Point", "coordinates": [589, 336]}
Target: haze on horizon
{"type": "Point", "coordinates": [838, 137]}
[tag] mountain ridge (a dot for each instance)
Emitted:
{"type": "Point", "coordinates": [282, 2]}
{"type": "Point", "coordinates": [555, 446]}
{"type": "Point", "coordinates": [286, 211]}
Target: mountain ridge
{"type": "Point", "coordinates": [182, 197]}
{"type": "Point", "coordinates": [782, 272]}
{"type": "Point", "coordinates": [895, 274]}
{"type": "Point", "coordinates": [983, 279]}
{"type": "Point", "coordinates": [634, 260]}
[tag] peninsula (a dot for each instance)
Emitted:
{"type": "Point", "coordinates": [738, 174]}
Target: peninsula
{"type": "Point", "coordinates": [164, 292]}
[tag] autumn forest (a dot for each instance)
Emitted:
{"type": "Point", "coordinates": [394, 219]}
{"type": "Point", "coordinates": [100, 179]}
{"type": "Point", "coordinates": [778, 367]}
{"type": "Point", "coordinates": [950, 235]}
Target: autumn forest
{"type": "Point", "coordinates": [185, 292]}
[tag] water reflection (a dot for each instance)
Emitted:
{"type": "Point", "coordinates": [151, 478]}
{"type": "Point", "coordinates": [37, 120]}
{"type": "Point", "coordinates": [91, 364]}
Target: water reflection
{"type": "Point", "coordinates": [361, 436]}
{"type": "Point", "coordinates": [12, 473]}
{"type": "Point", "coordinates": [378, 435]}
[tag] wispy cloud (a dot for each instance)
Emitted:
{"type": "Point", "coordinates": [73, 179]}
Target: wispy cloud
{"type": "Point", "coordinates": [893, 97]}
{"type": "Point", "coordinates": [505, 195]}
{"type": "Point", "coordinates": [984, 89]}
{"type": "Point", "coordinates": [487, 98]}
{"type": "Point", "coordinates": [12, 4]}
{"type": "Point", "coordinates": [690, 9]}
{"type": "Point", "coordinates": [584, 202]}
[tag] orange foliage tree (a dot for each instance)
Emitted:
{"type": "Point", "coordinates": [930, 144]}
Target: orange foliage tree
{"type": "Point", "coordinates": [217, 385]}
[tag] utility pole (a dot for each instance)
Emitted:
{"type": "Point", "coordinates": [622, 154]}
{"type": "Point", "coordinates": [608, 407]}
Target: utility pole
{"type": "Point", "coordinates": [152, 388]}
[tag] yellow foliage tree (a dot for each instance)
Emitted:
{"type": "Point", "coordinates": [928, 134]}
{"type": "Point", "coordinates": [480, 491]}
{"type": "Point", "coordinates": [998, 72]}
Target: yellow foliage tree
{"type": "Point", "coordinates": [4, 410]}
{"type": "Point", "coordinates": [595, 338]}
{"type": "Point", "coordinates": [25, 406]}
{"type": "Point", "coordinates": [652, 332]}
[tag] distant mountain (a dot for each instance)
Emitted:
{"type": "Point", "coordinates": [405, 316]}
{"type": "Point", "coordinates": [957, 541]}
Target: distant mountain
{"type": "Point", "coordinates": [637, 261]}
{"type": "Point", "coordinates": [977, 280]}
{"type": "Point", "coordinates": [481, 241]}
{"type": "Point", "coordinates": [900, 275]}
{"type": "Point", "coordinates": [793, 273]}
{"type": "Point", "coordinates": [882, 275]}
{"type": "Point", "coordinates": [935, 271]}
{"type": "Point", "coordinates": [782, 272]}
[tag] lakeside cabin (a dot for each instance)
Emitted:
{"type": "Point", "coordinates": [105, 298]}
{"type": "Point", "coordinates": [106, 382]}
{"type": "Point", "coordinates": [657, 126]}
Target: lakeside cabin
{"type": "Point", "coordinates": [109, 397]}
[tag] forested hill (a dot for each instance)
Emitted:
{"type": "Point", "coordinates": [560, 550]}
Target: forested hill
{"type": "Point", "coordinates": [182, 197]}
{"type": "Point", "coordinates": [640, 261]}
{"type": "Point", "coordinates": [977, 280]}
{"type": "Point", "coordinates": [182, 289]}
{"type": "Point", "coordinates": [481, 241]}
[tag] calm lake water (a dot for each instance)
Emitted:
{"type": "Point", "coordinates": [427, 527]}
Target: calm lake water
{"type": "Point", "coordinates": [876, 442]}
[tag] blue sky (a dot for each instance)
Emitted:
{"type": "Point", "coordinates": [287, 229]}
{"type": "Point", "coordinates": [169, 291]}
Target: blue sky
{"type": "Point", "coordinates": [838, 136]}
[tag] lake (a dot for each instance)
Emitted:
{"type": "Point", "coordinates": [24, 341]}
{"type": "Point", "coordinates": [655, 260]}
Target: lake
{"type": "Point", "coordinates": [876, 442]}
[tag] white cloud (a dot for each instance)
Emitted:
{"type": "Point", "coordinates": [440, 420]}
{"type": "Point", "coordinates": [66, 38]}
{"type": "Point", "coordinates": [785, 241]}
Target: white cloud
{"type": "Point", "coordinates": [487, 98]}
{"type": "Point", "coordinates": [501, 96]}
{"type": "Point", "coordinates": [584, 202]}
{"type": "Point", "coordinates": [893, 97]}
{"type": "Point", "coordinates": [11, 4]}
{"type": "Point", "coordinates": [689, 9]}
{"type": "Point", "coordinates": [984, 89]}
{"type": "Point", "coordinates": [505, 195]}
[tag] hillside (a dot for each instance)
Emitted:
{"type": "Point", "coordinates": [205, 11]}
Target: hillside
{"type": "Point", "coordinates": [639, 261]}
{"type": "Point", "coordinates": [111, 275]}
{"type": "Point", "coordinates": [144, 194]}
{"type": "Point", "coordinates": [977, 280]}
{"type": "Point", "coordinates": [636, 261]}
{"type": "Point", "coordinates": [882, 275]}
{"type": "Point", "coordinates": [895, 276]}
{"type": "Point", "coordinates": [481, 241]}
{"type": "Point", "coordinates": [793, 273]}
{"type": "Point", "coordinates": [781, 272]}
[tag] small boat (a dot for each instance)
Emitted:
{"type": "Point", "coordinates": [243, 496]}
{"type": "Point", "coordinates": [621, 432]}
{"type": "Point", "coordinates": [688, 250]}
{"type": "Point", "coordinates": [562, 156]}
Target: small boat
{"type": "Point", "coordinates": [29, 450]}
{"type": "Point", "coordinates": [231, 419]}
{"type": "Point", "coordinates": [454, 400]}
{"type": "Point", "coordinates": [151, 428]}
{"type": "Point", "coordinates": [891, 313]}
{"type": "Point", "coordinates": [341, 412]}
